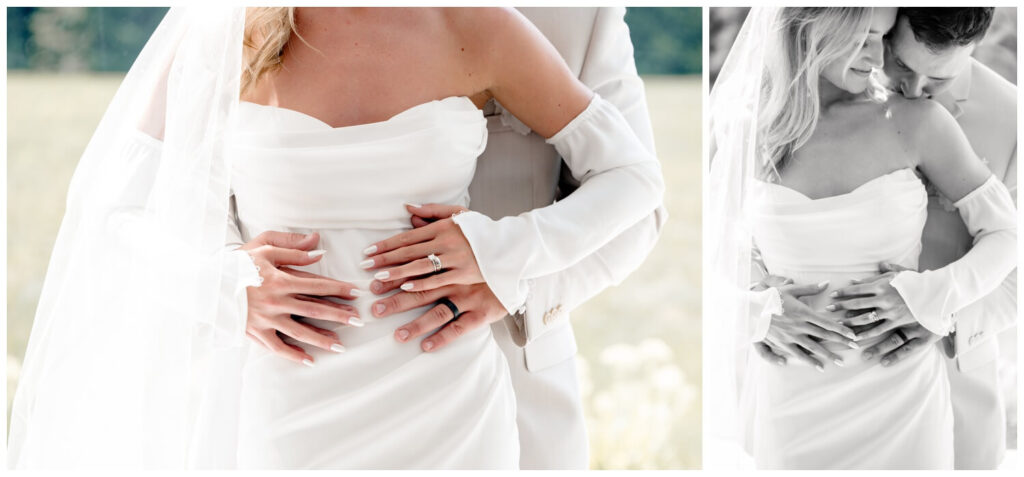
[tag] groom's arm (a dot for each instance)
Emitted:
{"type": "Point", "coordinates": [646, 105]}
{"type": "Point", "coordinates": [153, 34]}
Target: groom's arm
{"type": "Point", "coordinates": [608, 69]}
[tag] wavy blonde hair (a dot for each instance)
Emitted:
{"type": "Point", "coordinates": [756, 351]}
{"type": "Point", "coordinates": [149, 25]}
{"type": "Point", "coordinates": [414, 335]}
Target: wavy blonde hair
{"type": "Point", "coordinates": [267, 31]}
{"type": "Point", "coordinates": [808, 39]}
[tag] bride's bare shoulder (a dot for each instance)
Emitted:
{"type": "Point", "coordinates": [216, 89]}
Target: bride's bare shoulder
{"type": "Point", "coordinates": [918, 118]}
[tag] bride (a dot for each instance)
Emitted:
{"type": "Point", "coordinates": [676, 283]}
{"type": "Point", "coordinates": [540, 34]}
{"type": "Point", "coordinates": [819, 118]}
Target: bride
{"type": "Point", "coordinates": [817, 177]}
{"type": "Point", "coordinates": [315, 140]}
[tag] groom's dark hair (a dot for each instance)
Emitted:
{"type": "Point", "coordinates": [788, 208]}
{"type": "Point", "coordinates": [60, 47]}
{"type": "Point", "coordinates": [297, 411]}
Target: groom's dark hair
{"type": "Point", "coordinates": [940, 28]}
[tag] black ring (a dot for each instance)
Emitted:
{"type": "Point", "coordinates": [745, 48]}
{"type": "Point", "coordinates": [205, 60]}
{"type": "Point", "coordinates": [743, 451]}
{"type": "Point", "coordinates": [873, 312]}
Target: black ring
{"type": "Point", "coordinates": [451, 306]}
{"type": "Point", "coordinates": [899, 332]}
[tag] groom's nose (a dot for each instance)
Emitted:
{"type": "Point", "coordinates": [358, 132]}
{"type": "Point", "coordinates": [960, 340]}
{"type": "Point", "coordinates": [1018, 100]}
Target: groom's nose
{"type": "Point", "coordinates": [912, 86]}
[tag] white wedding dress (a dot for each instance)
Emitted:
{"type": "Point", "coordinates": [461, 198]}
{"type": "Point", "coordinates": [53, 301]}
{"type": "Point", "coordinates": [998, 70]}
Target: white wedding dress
{"type": "Point", "coordinates": [381, 404]}
{"type": "Point", "coordinates": [862, 415]}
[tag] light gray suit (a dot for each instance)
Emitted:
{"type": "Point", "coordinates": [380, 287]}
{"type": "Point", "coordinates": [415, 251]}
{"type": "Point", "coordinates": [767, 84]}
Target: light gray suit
{"type": "Point", "coordinates": [985, 106]}
{"type": "Point", "coordinates": [519, 172]}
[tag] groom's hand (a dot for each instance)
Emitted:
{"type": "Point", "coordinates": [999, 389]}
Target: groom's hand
{"type": "Point", "coordinates": [476, 304]}
{"type": "Point", "coordinates": [901, 344]}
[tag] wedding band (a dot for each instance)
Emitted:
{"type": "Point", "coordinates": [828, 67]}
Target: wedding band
{"type": "Point", "coordinates": [451, 306]}
{"type": "Point", "coordinates": [436, 262]}
{"type": "Point", "coordinates": [903, 337]}
{"type": "Point", "coordinates": [874, 316]}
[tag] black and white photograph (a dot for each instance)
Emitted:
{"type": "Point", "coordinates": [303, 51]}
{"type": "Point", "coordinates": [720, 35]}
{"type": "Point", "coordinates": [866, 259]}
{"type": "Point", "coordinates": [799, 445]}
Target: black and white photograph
{"type": "Point", "coordinates": [861, 238]}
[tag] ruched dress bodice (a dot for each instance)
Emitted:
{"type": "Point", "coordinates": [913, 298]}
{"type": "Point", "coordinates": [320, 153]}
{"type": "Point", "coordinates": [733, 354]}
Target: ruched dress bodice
{"type": "Point", "coordinates": [842, 237]}
{"type": "Point", "coordinates": [860, 414]}
{"type": "Point", "coordinates": [381, 403]}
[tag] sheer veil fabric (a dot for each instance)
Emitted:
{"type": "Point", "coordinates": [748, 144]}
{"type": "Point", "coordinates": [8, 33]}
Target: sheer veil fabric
{"type": "Point", "coordinates": [119, 367]}
{"type": "Point", "coordinates": [734, 165]}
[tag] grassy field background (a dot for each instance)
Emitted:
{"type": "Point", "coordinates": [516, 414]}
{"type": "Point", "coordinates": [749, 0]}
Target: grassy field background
{"type": "Point", "coordinates": [640, 355]}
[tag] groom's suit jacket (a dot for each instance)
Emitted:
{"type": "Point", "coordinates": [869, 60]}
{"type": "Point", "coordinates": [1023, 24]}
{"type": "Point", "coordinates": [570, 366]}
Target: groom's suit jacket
{"type": "Point", "coordinates": [985, 106]}
{"type": "Point", "coordinates": [519, 172]}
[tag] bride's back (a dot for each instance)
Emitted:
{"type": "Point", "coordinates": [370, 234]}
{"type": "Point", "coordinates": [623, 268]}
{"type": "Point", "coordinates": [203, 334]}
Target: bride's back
{"type": "Point", "coordinates": [350, 66]}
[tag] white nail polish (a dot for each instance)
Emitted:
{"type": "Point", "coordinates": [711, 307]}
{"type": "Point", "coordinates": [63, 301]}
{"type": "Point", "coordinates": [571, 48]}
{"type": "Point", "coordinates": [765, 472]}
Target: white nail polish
{"type": "Point", "coordinates": [307, 363]}
{"type": "Point", "coordinates": [369, 250]}
{"type": "Point", "coordinates": [831, 308]}
{"type": "Point", "coordinates": [337, 348]}
{"type": "Point", "coordinates": [415, 206]}
{"type": "Point", "coordinates": [406, 286]}
{"type": "Point", "coordinates": [358, 323]}
{"type": "Point", "coordinates": [820, 368]}
{"type": "Point", "coordinates": [838, 362]}
{"type": "Point", "coordinates": [357, 292]}
{"type": "Point", "coordinates": [316, 253]}
{"type": "Point", "coordinates": [366, 263]}
{"type": "Point", "coordinates": [834, 294]}
{"type": "Point", "coordinates": [853, 345]}
{"type": "Point", "coordinates": [823, 284]}
{"type": "Point", "coordinates": [382, 275]}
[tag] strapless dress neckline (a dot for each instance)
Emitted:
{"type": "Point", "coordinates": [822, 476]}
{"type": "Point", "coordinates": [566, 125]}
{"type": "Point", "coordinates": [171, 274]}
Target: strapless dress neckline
{"type": "Point", "coordinates": [905, 173]}
{"type": "Point", "coordinates": [454, 102]}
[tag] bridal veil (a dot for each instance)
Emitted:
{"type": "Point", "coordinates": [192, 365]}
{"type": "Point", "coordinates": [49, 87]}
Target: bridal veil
{"type": "Point", "coordinates": [140, 307]}
{"type": "Point", "coordinates": [730, 308]}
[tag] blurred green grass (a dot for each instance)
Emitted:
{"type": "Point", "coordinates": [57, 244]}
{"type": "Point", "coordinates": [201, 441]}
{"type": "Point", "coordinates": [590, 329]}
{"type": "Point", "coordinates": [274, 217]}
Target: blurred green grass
{"type": "Point", "coordinates": [639, 342]}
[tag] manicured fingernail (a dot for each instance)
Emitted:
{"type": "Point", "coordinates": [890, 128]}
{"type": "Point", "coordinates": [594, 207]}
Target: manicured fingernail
{"type": "Point", "coordinates": [378, 309]}
{"type": "Point", "coordinates": [885, 362]}
{"type": "Point", "coordinates": [403, 335]}
{"type": "Point", "coordinates": [366, 263]}
{"type": "Point", "coordinates": [839, 362]}
{"type": "Point", "coordinates": [382, 275]}
{"type": "Point", "coordinates": [357, 322]}
{"type": "Point", "coordinates": [833, 294]}
{"type": "Point", "coordinates": [406, 286]}
{"type": "Point", "coordinates": [868, 355]}
{"type": "Point", "coordinates": [781, 361]}
{"type": "Point", "coordinates": [415, 206]}
{"type": "Point", "coordinates": [316, 253]}
{"type": "Point", "coordinates": [357, 292]}
{"type": "Point", "coordinates": [307, 363]}
{"type": "Point", "coordinates": [823, 284]}
{"type": "Point", "coordinates": [428, 345]}
{"type": "Point", "coordinates": [337, 348]}
{"type": "Point", "coordinates": [831, 308]}
{"type": "Point", "coordinates": [369, 250]}
{"type": "Point", "coordinates": [853, 345]}
{"type": "Point", "coordinates": [820, 368]}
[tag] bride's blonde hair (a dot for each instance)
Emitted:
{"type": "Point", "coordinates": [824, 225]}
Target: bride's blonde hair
{"type": "Point", "coordinates": [267, 31]}
{"type": "Point", "coordinates": [807, 39]}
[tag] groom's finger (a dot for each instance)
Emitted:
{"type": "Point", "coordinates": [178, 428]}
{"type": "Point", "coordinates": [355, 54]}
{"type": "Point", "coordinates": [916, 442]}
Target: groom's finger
{"type": "Point", "coordinates": [884, 347]}
{"type": "Point", "coordinates": [405, 301]}
{"type": "Point", "coordinates": [465, 323]}
{"type": "Point", "coordinates": [852, 291]}
{"type": "Point", "coordinates": [902, 352]}
{"type": "Point", "coordinates": [433, 319]}
{"type": "Point", "coordinates": [404, 239]}
{"type": "Point", "coordinates": [435, 211]}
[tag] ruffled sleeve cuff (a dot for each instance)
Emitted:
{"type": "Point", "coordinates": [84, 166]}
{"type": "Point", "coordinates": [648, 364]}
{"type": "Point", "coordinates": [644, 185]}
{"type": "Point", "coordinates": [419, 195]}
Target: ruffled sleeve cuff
{"type": "Point", "coordinates": [763, 305]}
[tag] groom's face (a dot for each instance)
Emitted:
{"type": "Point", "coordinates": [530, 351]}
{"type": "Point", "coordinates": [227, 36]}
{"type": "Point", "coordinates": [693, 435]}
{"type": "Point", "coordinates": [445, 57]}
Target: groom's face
{"type": "Point", "coordinates": [914, 70]}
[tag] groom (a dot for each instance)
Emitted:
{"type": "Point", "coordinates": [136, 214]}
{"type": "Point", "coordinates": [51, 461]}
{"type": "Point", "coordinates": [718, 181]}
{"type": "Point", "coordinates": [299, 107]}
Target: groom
{"type": "Point", "coordinates": [928, 57]}
{"type": "Point", "coordinates": [519, 172]}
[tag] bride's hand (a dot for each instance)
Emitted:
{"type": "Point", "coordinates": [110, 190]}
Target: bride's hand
{"type": "Point", "coordinates": [286, 292]}
{"type": "Point", "coordinates": [406, 255]}
{"type": "Point", "coordinates": [873, 305]}
{"type": "Point", "coordinates": [801, 328]}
